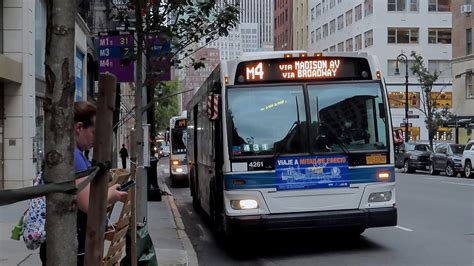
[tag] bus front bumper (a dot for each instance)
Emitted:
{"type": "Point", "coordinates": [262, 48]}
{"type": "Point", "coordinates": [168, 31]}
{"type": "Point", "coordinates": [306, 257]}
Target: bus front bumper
{"type": "Point", "coordinates": [361, 218]}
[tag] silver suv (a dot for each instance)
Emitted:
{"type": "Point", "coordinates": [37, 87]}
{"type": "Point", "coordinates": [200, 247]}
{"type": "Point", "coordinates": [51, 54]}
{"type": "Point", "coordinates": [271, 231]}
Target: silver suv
{"type": "Point", "coordinates": [468, 159]}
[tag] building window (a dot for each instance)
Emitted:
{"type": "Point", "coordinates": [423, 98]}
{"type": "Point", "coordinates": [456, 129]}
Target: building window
{"type": "Point", "coordinates": [333, 3]}
{"type": "Point", "coordinates": [324, 6]}
{"type": "Point", "coordinates": [286, 15]}
{"type": "Point", "coordinates": [358, 42]}
{"type": "Point", "coordinates": [348, 17]}
{"type": "Point", "coordinates": [397, 99]}
{"type": "Point", "coordinates": [402, 5]}
{"type": "Point", "coordinates": [332, 26]}
{"type": "Point", "coordinates": [340, 47]}
{"type": "Point", "coordinates": [468, 41]}
{"type": "Point", "coordinates": [332, 48]}
{"type": "Point", "coordinates": [325, 30]}
{"type": "Point", "coordinates": [469, 86]}
{"type": "Point", "coordinates": [318, 34]}
{"type": "Point", "coordinates": [369, 38]}
{"type": "Point", "coordinates": [349, 45]}
{"type": "Point", "coordinates": [442, 67]}
{"type": "Point", "coordinates": [312, 36]}
{"type": "Point", "coordinates": [392, 65]}
{"type": "Point", "coordinates": [40, 38]}
{"type": "Point", "coordinates": [340, 22]}
{"type": "Point", "coordinates": [358, 12]}
{"type": "Point", "coordinates": [312, 14]}
{"type": "Point", "coordinates": [439, 5]}
{"type": "Point", "coordinates": [403, 35]}
{"type": "Point", "coordinates": [442, 36]}
{"type": "Point", "coordinates": [318, 10]}
{"type": "Point", "coordinates": [368, 7]}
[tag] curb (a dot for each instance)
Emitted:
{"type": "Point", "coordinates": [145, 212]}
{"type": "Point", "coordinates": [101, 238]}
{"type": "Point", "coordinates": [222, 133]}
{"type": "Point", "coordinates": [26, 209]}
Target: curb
{"type": "Point", "coordinates": [191, 256]}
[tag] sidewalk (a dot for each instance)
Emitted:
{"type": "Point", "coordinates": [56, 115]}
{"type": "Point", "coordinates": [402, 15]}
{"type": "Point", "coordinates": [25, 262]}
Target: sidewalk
{"type": "Point", "coordinates": [165, 226]}
{"type": "Point", "coordinates": [14, 252]}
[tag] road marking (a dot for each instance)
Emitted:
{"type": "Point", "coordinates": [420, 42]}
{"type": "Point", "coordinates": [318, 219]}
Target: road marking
{"type": "Point", "coordinates": [462, 184]}
{"type": "Point", "coordinates": [404, 228]}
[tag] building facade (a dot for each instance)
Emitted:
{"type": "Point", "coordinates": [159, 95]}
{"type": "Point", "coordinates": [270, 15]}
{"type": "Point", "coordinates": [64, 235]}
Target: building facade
{"type": "Point", "coordinates": [17, 93]}
{"type": "Point", "coordinates": [195, 78]}
{"type": "Point", "coordinates": [253, 33]}
{"type": "Point", "coordinates": [283, 25]}
{"type": "Point", "coordinates": [387, 29]}
{"type": "Point", "coordinates": [300, 24]}
{"type": "Point", "coordinates": [462, 69]}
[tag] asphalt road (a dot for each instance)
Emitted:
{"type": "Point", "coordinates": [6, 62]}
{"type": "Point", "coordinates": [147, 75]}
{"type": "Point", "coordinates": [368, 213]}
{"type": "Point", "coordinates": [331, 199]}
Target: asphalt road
{"type": "Point", "coordinates": [435, 227]}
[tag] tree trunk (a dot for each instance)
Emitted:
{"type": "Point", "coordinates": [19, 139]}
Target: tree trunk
{"type": "Point", "coordinates": [141, 177]}
{"type": "Point", "coordinates": [61, 210]}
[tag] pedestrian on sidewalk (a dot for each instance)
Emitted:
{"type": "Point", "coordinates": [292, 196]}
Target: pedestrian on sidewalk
{"type": "Point", "coordinates": [124, 155]}
{"type": "Point", "coordinates": [84, 133]}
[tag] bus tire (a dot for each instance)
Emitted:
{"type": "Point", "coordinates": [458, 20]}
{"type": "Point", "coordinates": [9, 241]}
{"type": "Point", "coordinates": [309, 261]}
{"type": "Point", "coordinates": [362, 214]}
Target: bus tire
{"type": "Point", "coordinates": [194, 192]}
{"type": "Point", "coordinates": [215, 214]}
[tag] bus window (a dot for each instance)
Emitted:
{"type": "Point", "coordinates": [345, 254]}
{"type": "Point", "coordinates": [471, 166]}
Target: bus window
{"type": "Point", "coordinates": [346, 117]}
{"type": "Point", "coordinates": [266, 120]}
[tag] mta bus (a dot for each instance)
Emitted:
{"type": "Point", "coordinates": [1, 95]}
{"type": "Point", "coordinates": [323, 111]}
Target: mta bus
{"type": "Point", "coordinates": [293, 140]}
{"type": "Point", "coordinates": [177, 148]}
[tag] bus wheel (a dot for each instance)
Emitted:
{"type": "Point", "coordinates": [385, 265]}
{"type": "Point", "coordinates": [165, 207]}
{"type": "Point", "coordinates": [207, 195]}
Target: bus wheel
{"type": "Point", "coordinates": [216, 216]}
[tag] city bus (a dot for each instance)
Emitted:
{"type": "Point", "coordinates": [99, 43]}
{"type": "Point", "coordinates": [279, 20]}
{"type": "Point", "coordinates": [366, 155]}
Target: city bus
{"type": "Point", "coordinates": [177, 149]}
{"type": "Point", "coordinates": [293, 140]}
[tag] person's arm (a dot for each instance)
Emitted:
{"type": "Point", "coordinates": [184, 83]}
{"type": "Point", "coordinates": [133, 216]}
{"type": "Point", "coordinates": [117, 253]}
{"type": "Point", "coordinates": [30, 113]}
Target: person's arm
{"type": "Point", "coordinates": [113, 195]}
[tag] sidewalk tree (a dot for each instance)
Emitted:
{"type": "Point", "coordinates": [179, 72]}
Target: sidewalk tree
{"type": "Point", "coordinates": [167, 107]}
{"type": "Point", "coordinates": [435, 114]}
{"type": "Point", "coordinates": [61, 210]}
{"type": "Point", "coordinates": [188, 25]}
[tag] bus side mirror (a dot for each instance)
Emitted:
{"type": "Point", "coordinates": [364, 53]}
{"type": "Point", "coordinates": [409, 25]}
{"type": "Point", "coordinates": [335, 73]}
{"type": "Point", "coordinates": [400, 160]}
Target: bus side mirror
{"type": "Point", "coordinates": [213, 107]}
{"type": "Point", "coordinates": [382, 110]}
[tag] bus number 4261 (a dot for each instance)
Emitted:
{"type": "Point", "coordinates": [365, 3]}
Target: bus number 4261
{"type": "Point", "coordinates": [252, 72]}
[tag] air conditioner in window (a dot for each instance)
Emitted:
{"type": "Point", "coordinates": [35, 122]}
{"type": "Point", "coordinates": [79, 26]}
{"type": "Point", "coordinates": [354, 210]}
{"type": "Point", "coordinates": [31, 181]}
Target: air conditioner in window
{"type": "Point", "coordinates": [466, 9]}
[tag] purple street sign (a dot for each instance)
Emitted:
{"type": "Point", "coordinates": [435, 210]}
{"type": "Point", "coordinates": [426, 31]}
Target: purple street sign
{"type": "Point", "coordinates": [116, 50]}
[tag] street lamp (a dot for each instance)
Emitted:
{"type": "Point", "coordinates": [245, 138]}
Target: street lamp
{"type": "Point", "coordinates": [403, 58]}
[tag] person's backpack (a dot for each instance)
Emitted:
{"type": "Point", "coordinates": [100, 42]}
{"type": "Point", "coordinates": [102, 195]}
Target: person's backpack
{"type": "Point", "coordinates": [34, 219]}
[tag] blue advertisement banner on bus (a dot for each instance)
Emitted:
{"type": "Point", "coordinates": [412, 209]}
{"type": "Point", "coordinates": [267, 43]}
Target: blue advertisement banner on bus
{"type": "Point", "coordinates": [328, 171]}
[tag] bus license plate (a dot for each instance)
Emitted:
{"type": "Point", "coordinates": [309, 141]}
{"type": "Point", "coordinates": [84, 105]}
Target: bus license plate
{"type": "Point", "coordinates": [376, 159]}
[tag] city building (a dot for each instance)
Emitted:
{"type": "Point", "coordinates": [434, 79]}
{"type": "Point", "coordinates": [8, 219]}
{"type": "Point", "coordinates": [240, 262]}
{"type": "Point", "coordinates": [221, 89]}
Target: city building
{"type": "Point", "coordinates": [17, 93]}
{"type": "Point", "coordinates": [195, 78]}
{"type": "Point", "coordinates": [283, 25]}
{"type": "Point", "coordinates": [300, 24]}
{"type": "Point", "coordinates": [462, 69]}
{"type": "Point", "coordinates": [387, 29]}
{"type": "Point", "coordinates": [253, 33]}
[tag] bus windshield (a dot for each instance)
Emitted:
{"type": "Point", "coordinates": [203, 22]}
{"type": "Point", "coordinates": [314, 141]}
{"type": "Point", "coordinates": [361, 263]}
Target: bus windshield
{"type": "Point", "coordinates": [347, 117]}
{"type": "Point", "coordinates": [262, 119]}
{"type": "Point", "coordinates": [178, 140]}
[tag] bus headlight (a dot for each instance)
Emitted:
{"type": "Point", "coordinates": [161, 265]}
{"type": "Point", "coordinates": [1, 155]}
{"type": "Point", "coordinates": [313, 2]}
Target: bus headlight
{"type": "Point", "coordinates": [243, 204]}
{"type": "Point", "coordinates": [179, 170]}
{"type": "Point", "coordinates": [380, 196]}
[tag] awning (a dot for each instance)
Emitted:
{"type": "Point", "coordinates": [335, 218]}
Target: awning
{"type": "Point", "coordinates": [10, 70]}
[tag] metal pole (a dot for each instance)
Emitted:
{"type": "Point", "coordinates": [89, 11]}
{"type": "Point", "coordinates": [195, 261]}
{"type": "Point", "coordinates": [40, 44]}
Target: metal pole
{"type": "Point", "coordinates": [406, 100]}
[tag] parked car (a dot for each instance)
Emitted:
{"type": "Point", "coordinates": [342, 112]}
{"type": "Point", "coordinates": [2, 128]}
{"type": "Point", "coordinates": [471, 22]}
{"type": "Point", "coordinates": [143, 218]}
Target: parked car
{"type": "Point", "coordinates": [412, 156]}
{"type": "Point", "coordinates": [165, 151]}
{"type": "Point", "coordinates": [467, 160]}
{"type": "Point", "coordinates": [447, 158]}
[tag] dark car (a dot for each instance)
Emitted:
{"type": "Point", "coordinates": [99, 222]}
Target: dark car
{"type": "Point", "coordinates": [412, 156]}
{"type": "Point", "coordinates": [447, 157]}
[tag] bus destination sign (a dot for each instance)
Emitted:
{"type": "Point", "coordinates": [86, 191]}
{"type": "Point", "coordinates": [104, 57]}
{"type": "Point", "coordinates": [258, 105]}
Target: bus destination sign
{"type": "Point", "coordinates": [180, 123]}
{"type": "Point", "coordinates": [302, 69]}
